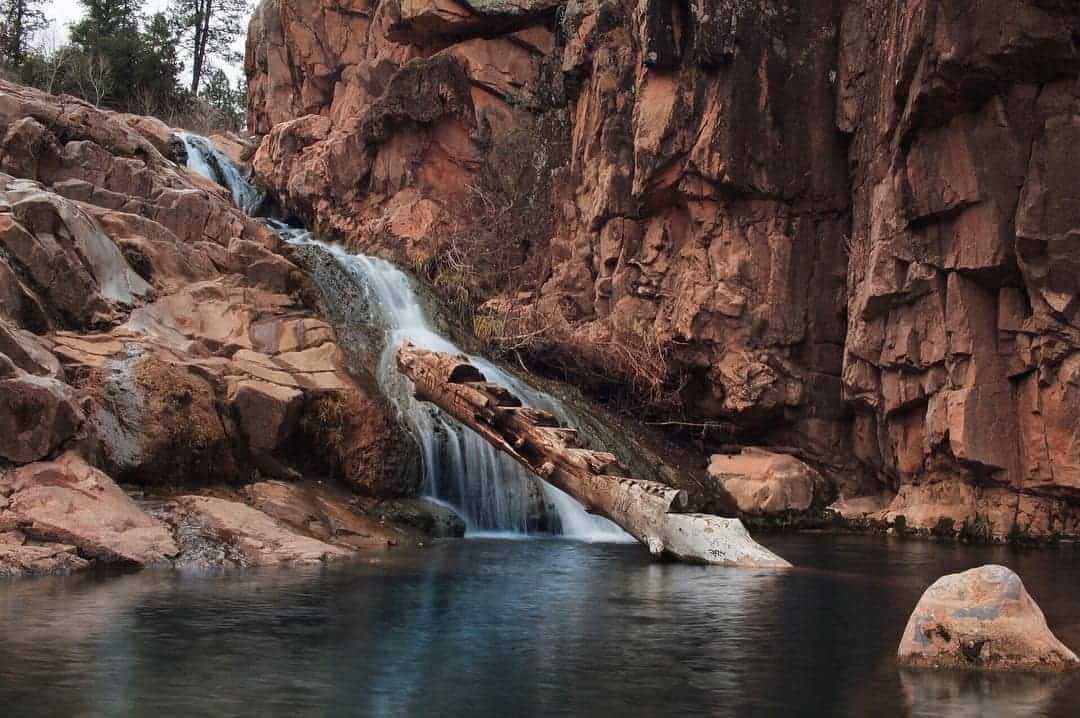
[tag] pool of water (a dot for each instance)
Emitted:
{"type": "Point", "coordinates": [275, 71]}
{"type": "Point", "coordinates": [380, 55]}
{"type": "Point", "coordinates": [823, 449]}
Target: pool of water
{"type": "Point", "coordinates": [518, 628]}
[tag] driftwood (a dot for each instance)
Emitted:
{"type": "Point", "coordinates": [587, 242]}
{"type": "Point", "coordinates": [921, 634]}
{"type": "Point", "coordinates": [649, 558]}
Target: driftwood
{"type": "Point", "coordinates": [651, 512]}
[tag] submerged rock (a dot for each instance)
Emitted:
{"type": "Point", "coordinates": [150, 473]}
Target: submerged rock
{"type": "Point", "coordinates": [434, 519]}
{"type": "Point", "coordinates": [983, 619]}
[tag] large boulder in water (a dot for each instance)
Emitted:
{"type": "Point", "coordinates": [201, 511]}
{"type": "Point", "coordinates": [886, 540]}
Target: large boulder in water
{"type": "Point", "coordinates": [983, 618]}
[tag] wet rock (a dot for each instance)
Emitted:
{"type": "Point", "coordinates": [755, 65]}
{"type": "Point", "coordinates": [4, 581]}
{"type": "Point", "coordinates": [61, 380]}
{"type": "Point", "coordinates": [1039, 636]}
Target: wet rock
{"type": "Point", "coordinates": [764, 482]}
{"type": "Point", "coordinates": [249, 536]}
{"type": "Point", "coordinates": [39, 560]}
{"type": "Point", "coordinates": [983, 619]}
{"type": "Point", "coordinates": [68, 501]}
{"type": "Point", "coordinates": [434, 519]}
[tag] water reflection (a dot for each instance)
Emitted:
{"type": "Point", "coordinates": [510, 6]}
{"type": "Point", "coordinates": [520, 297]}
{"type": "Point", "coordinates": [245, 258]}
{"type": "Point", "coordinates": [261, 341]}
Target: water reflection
{"type": "Point", "coordinates": [968, 694]}
{"type": "Point", "coordinates": [522, 628]}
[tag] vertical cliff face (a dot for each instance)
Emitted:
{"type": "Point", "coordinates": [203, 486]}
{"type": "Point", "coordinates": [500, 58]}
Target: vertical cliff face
{"type": "Point", "coordinates": [961, 356]}
{"type": "Point", "coordinates": [657, 190]}
{"type": "Point", "coordinates": [841, 226]}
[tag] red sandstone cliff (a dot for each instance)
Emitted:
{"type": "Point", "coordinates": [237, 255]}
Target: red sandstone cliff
{"type": "Point", "coordinates": [846, 227]}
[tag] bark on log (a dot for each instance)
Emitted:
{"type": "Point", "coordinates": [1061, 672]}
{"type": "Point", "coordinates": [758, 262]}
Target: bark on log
{"type": "Point", "coordinates": [651, 512]}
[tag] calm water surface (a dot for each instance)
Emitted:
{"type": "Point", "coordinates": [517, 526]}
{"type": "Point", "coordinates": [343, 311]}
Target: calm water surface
{"type": "Point", "coordinates": [518, 628]}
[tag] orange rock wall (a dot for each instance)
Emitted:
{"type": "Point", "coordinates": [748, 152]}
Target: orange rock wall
{"type": "Point", "coordinates": [845, 226]}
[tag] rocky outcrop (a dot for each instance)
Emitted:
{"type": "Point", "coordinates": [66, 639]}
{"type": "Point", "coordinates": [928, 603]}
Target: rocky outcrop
{"type": "Point", "coordinates": [625, 181]}
{"type": "Point", "coordinates": [982, 619]}
{"type": "Point", "coordinates": [328, 514]}
{"type": "Point", "coordinates": [18, 559]}
{"type": "Point", "coordinates": [249, 537]}
{"type": "Point", "coordinates": [69, 502]}
{"type": "Point", "coordinates": [146, 316]}
{"type": "Point", "coordinates": [152, 333]}
{"type": "Point", "coordinates": [842, 227]}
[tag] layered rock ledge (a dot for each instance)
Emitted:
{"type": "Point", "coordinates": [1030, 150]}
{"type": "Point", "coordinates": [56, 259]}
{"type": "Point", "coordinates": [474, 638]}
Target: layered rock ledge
{"type": "Point", "coordinates": [152, 335]}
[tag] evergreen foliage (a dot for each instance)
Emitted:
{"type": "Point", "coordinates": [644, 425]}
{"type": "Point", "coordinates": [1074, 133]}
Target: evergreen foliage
{"type": "Point", "coordinates": [122, 59]}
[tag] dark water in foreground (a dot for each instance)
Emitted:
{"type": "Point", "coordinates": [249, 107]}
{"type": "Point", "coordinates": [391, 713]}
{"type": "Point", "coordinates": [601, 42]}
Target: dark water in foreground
{"type": "Point", "coordinates": [518, 628]}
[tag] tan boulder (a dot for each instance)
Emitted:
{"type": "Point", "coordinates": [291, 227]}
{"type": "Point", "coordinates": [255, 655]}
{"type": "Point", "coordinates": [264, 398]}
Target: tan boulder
{"type": "Point", "coordinates": [38, 560]}
{"type": "Point", "coordinates": [70, 502]}
{"type": "Point", "coordinates": [325, 512]}
{"type": "Point", "coordinates": [765, 482]}
{"type": "Point", "coordinates": [266, 413]}
{"type": "Point", "coordinates": [251, 537]}
{"type": "Point", "coordinates": [983, 619]}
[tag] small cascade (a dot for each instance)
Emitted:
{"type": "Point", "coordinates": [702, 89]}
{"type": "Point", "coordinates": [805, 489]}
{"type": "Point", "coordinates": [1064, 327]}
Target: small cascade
{"type": "Point", "coordinates": [492, 492]}
{"type": "Point", "coordinates": [210, 162]}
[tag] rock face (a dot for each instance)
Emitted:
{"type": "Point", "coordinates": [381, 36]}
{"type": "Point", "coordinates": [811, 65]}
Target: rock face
{"type": "Point", "coordinates": [835, 225]}
{"type": "Point", "coordinates": [152, 333]}
{"type": "Point", "coordinates": [145, 318]}
{"type": "Point", "coordinates": [764, 482]}
{"type": "Point", "coordinates": [982, 619]}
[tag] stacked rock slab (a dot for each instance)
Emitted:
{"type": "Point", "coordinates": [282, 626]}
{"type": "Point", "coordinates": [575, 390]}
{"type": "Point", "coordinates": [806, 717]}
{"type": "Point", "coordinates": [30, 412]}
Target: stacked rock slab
{"type": "Point", "coordinates": [153, 334]}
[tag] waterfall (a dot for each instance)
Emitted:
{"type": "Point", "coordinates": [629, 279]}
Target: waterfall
{"type": "Point", "coordinates": [207, 160]}
{"type": "Point", "coordinates": [491, 491]}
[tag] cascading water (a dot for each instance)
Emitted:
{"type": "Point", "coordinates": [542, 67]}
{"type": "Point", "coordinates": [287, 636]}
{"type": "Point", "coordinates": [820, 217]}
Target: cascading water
{"type": "Point", "coordinates": [491, 491]}
{"type": "Point", "coordinates": [208, 161]}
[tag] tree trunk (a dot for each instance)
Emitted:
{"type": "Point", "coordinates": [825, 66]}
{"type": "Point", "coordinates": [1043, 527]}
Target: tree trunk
{"type": "Point", "coordinates": [199, 42]}
{"type": "Point", "coordinates": [649, 511]}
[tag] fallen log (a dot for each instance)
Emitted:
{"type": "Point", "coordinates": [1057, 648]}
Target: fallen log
{"type": "Point", "coordinates": [653, 513]}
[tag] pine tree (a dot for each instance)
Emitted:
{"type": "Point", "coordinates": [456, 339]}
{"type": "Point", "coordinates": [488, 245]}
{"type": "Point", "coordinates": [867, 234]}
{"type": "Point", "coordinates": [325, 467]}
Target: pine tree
{"type": "Point", "coordinates": [21, 19]}
{"type": "Point", "coordinates": [218, 92]}
{"type": "Point", "coordinates": [207, 29]}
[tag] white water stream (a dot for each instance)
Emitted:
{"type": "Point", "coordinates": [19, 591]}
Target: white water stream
{"type": "Point", "coordinates": [492, 492]}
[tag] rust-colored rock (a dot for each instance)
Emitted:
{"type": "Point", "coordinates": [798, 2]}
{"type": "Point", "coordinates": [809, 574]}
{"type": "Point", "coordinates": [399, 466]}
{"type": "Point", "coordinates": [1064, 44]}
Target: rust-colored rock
{"type": "Point", "coordinates": [839, 226]}
{"type": "Point", "coordinates": [765, 482]}
{"type": "Point", "coordinates": [149, 325]}
{"type": "Point", "coordinates": [69, 502]}
{"type": "Point", "coordinates": [982, 619]}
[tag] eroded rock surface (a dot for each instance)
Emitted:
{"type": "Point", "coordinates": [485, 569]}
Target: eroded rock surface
{"type": "Point", "coordinates": [840, 226]}
{"type": "Point", "coordinates": [152, 333]}
{"type": "Point", "coordinates": [249, 536]}
{"type": "Point", "coordinates": [984, 619]}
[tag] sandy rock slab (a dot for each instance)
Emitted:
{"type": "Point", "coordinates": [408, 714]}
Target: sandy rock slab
{"type": "Point", "coordinates": [18, 558]}
{"type": "Point", "coordinates": [982, 619]}
{"type": "Point", "coordinates": [214, 531]}
{"type": "Point", "coordinates": [69, 502]}
{"type": "Point", "coordinates": [325, 512]}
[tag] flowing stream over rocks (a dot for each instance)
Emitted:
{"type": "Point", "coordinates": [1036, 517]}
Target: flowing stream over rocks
{"type": "Point", "coordinates": [491, 491]}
